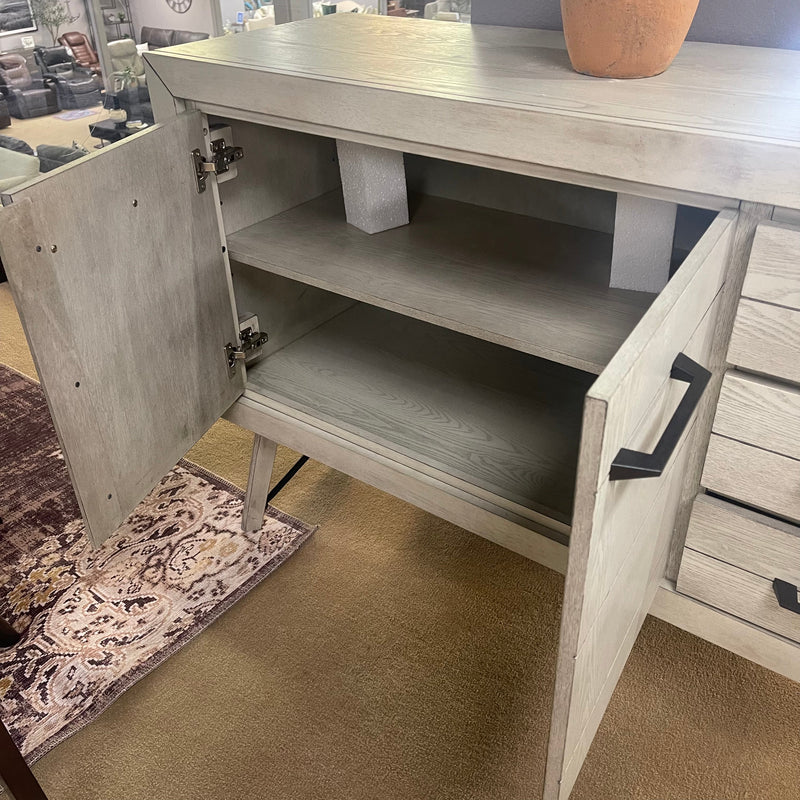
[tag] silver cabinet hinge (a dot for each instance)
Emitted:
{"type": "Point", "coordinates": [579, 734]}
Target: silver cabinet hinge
{"type": "Point", "coordinates": [250, 344]}
{"type": "Point", "coordinates": [222, 156]}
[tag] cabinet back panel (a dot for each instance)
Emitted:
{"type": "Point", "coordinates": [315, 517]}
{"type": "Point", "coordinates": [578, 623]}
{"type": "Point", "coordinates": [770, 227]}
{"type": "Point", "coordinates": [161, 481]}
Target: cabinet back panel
{"type": "Point", "coordinates": [281, 169]}
{"type": "Point", "coordinates": [506, 191]}
{"type": "Point", "coordinates": [286, 309]}
{"type": "Point", "coordinates": [567, 203]}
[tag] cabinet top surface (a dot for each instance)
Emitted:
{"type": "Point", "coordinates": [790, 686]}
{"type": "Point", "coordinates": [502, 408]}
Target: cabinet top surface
{"type": "Point", "coordinates": [720, 103]}
{"type": "Point", "coordinates": [724, 89]}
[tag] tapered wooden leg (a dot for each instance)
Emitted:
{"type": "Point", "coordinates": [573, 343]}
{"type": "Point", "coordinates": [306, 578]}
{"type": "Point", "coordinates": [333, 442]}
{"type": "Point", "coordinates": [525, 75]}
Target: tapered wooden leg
{"type": "Point", "coordinates": [8, 636]}
{"type": "Point", "coordinates": [15, 775]}
{"type": "Point", "coordinates": [255, 501]}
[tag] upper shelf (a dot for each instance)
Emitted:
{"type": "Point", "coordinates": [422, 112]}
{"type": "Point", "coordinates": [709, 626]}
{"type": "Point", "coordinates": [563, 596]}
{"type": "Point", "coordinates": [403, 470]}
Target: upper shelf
{"type": "Point", "coordinates": [538, 287]}
{"type": "Point", "coordinates": [722, 120]}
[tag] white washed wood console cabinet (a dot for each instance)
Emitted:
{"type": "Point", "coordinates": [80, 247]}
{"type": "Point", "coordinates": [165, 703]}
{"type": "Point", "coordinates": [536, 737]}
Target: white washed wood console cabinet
{"type": "Point", "coordinates": [564, 292]}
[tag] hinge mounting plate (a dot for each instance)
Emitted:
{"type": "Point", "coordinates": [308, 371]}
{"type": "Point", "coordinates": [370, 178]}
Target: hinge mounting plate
{"type": "Point", "coordinates": [250, 344]}
{"type": "Point", "coordinates": [222, 156]}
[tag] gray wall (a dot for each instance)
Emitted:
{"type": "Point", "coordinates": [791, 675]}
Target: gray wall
{"type": "Point", "coordinates": [762, 23]}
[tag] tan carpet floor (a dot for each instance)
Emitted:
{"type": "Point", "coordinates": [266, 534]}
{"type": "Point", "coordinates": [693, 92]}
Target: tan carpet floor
{"type": "Point", "coordinates": [51, 130]}
{"type": "Point", "coordinates": [398, 657]}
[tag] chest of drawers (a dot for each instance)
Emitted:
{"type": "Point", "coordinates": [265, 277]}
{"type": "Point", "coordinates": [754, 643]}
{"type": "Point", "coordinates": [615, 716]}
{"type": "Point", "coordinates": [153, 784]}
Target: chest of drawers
{"type": "Point", "coordinates": [743, 552]}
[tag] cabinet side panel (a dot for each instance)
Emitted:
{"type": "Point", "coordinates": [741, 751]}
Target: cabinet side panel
{"type": "Point", "coordinates": [750, 214]}
{"type": "Point", "coordinates": [281, 169]}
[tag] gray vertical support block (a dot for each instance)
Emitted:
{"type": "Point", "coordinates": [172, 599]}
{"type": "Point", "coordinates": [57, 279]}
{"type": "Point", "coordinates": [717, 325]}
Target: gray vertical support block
{"type": "Point", "coordinates": [643, 234]}
{"type": "Point", "coordinates": [374, 185]}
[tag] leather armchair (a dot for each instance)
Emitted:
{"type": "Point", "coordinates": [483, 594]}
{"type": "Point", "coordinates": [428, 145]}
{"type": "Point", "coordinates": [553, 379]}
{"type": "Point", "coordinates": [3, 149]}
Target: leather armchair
{"type": "Point", "coordinates": [26, 96]}
{"type": "Point", "coordinates": [52, 59]}
{"type": "Point", "coordinates": [75, 87]}
{"type": "Point", "coordinates": [82, 50]}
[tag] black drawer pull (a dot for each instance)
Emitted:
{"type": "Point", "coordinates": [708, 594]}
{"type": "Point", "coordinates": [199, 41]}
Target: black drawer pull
{"type": "Point", "coordinates": [786, 594]}
{"type": "Point", "coordinates": [631, 464]}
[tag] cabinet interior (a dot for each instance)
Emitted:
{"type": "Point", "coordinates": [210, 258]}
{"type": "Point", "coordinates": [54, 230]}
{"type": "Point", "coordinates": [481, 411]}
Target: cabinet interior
{"type": "Point", "coordinates": [464, 341]}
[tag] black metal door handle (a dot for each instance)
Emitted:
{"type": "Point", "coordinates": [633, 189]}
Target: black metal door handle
{"type": "Point", "coordinates": [786, 594]}
{"type": "Point", "coordinates": [630, 464]}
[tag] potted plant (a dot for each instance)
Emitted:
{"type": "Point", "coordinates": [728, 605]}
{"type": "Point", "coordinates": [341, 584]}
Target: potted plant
{"type": "Point", "coordinates": [52, 14]}
{"type": "Point", "coordinates": [125, 80]}
{"type": "Point", "coordinates": [625, 38]}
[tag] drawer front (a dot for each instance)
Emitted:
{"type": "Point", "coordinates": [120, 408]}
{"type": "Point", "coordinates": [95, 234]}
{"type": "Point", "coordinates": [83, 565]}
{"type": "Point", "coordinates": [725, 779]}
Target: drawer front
{"type": "Point", "coordinates": [766, 339]}
{"type": "Point", "coordinates": [754, 451]}
{"type": "Point", "coordinates": [773, 273]}
{"type": "Point", "coordinates": [745, 539]}
{"type": "Point", "coordinates": [766, 333]}
{"type": "Point", "coordinates": [760, 412]}
{"type": "Point", "coordinates": [731, 558]}
{"type": "Point", "coordinates": [760, 478]}
{"type": "Point", "coordinates": [736, 592]}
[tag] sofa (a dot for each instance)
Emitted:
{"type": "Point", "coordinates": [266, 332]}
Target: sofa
{"type": "Point", "coordinates": [16, 166]}
{"type": "Point", "coordinates": [46, 157]}
{"type": "Point", "coordinates": [27, 96]}
{"type": "Point", "coordinates": [155, 38]}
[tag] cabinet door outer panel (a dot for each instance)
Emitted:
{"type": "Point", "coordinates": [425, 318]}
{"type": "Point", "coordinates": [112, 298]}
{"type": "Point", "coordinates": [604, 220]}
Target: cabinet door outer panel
{"type": "Point", "coordinates": [622, 529]}
{"type": "Point", "coordinates": [127, 312]}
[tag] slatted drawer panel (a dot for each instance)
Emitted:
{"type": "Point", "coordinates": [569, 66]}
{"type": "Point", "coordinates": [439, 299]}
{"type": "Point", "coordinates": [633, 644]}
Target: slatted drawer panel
{"type": "Point", "coordinates": [760, 412]}
{"type": "Point", "coordinates": [773, 274]}
{"type": "Point", "coordinates": [754, 452]}
{"type": "Point", "coordinates": [731, 558]}
{"type": "Point", "coordinates": [766, 334]}
{"type": "Point", "coordinates": [759, 478]}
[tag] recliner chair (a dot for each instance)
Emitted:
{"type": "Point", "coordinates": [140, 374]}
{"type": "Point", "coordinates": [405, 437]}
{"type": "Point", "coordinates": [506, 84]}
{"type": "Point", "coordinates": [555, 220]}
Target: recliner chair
{"type": "Point", "coordinates": [135, 99]}
{"type": "Point", "coordinates": [124, 56]}
{"type": "Point", "coordinates": [26, 96]}
{"type": "Point", "coordinates": [82, 50]}
{"type": "Point", "coordinates": [75, 87]}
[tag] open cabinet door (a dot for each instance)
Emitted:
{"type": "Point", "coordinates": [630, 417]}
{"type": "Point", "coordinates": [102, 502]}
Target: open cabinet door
{"type": "Point", "coordinates": [646, 400]}
{"type": "Point", "coordinates": [118, 271]}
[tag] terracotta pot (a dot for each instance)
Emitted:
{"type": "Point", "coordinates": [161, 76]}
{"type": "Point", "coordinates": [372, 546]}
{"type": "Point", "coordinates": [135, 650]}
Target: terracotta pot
{"type": "Point", "coordinates": [625, 38]}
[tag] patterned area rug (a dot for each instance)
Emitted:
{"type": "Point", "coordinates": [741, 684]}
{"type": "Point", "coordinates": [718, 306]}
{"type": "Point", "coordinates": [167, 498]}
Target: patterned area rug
{"type": "Point", "coordinates": [96, 621]}
{"type": "Point", "coordinates": [77, 114]}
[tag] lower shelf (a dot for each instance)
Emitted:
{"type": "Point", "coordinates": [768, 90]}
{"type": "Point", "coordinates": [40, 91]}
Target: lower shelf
{"type": "Point", "coordinates": [502, 421]}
